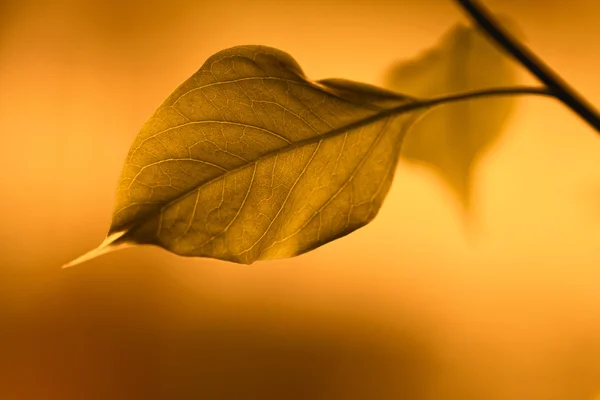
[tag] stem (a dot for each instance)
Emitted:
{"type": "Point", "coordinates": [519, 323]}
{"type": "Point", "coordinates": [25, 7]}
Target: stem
{"type": "Point", "coordinates": [536, 66]}
{"type": "Point", "coordinates": [502, 91]}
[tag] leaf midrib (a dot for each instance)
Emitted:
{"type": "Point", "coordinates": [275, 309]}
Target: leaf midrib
{"type": "Point", "coordinates": [409, 106]}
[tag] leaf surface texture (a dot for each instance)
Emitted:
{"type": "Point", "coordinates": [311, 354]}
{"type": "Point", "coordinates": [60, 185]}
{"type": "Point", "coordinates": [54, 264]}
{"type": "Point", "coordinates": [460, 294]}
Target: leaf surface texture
{"type": "Point", "coordinates": [249, 160]}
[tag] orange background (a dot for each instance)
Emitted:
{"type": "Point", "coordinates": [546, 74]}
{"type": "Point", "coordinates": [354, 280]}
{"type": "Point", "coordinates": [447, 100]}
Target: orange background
{"type": "Point", "coordinates": [407, 307]}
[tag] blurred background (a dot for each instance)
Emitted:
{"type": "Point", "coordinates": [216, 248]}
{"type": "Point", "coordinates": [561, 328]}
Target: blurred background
{"type": "Point", "coordinates": [405, 308]}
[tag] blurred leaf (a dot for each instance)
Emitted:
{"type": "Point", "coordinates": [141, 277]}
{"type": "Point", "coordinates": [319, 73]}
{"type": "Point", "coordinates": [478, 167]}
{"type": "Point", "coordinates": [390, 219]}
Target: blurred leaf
{"type": "Point", "coordinates": [248, 160]}
{"type": "Point", "coordinates": [452, 138]}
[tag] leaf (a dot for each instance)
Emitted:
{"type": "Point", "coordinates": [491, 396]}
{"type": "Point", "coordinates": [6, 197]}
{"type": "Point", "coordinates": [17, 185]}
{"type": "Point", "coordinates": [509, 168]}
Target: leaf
{"type": "Point", "coordinates": [249, 160]}
{"type": "Point", "coordinates": [453, 138]}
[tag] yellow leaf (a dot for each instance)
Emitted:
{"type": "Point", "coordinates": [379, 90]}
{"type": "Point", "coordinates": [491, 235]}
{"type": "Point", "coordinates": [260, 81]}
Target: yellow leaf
{"type": "Point", "coordinates": [451, 139]}
{"type": "Point", "coordinates": [249, 160]}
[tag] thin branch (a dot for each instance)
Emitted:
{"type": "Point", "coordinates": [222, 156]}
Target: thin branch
{"type": "Point", "coordinates": [536, 66]}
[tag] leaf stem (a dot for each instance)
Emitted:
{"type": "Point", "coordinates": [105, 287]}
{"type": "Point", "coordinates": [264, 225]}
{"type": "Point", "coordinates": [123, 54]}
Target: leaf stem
{"type": "Point", "coordinates": [493, 92]}
{"type": "Point", "coordinates": [419, 104]}
{"type": "Point", "coordinates": [561, 89]}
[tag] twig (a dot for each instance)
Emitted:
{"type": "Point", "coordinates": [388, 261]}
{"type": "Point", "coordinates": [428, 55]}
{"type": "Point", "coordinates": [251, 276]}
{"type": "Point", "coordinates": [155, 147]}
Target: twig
{"type": "Point", "coordinates": [537, 67]}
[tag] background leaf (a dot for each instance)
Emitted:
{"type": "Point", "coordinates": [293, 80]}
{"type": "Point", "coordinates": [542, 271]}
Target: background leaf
{"type": "Point", "coordinates": [452, 138]}
{"type": "Point", "coordinates": [248, 160]}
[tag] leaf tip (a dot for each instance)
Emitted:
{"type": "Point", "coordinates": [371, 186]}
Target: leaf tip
{"type": "Point", "coordinates": [81, 259]}
{"type": "Point", "coordinates": [107, 246]}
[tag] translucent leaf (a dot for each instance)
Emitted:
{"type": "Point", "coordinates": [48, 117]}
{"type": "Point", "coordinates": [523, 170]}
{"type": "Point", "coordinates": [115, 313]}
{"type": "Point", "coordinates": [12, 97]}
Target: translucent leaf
{"type": "Point", "coordinates": [249, 160]}
{"type": "Point", "coordinates": [451, 139]}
